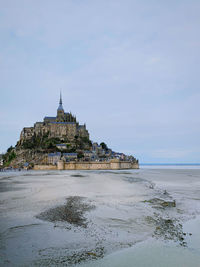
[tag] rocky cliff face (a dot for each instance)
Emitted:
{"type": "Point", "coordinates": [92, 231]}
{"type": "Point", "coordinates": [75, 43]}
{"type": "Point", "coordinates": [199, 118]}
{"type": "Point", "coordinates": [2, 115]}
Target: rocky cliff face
{"type": "Point", "coordinates": [23, 156]}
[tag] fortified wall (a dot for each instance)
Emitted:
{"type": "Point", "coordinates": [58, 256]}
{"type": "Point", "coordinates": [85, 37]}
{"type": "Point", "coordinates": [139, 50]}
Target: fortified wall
{"type": "Point", "coordinates": [90, 165]}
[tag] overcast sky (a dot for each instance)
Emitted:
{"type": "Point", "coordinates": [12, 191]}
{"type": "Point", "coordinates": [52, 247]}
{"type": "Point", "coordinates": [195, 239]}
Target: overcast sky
{"type": "Point", "coordinates": [129, 69]}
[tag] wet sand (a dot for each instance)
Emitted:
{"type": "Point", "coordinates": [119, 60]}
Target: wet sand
{"type": "Point", "coordinates": [100, 218]}
{"type": "Point", "coordinates": [157, 253]}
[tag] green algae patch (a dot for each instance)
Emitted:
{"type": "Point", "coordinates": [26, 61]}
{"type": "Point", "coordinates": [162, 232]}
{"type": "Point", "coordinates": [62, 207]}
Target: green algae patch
{"type": "Point", "coordinates": [161, 203]}
{"type": "Point", "coordinates": [167, 229]}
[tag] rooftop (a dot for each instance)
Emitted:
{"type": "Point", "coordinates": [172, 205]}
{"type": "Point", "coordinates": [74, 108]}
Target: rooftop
{"type": "Point", "coordinates": [69, 154]}
{"type": "Point", "coordinates": [49, 117]}
{"type": "Point", "coordinates": [62, 122]}
{"type": "Point", "coordinates": [60, 144]}
{"type": "Point", "coordinates": [54, 154]}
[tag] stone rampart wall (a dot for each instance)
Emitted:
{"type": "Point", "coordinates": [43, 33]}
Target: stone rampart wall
{"type": "Point", "coordinates": [106, 165]}
{"type": "Point", "coordinates": [45, 167]}
{"type": "Point", "coordinates": [87, 166]}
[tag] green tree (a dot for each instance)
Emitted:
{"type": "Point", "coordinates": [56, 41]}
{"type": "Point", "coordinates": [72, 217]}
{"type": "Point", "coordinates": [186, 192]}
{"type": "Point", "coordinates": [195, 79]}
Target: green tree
{"type": "Point", "coordinates": [104, 146]}
{"type": "Point", "coordinates": [80, 155]}
{"type": "Point", "coordinates": [8, 157]}
{"type": "Point", "coordinates": [10, 149]}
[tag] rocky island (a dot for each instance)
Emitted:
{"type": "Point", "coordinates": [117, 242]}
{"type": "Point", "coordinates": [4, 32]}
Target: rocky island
{"type": "Point", "coordinates": [61, 143]}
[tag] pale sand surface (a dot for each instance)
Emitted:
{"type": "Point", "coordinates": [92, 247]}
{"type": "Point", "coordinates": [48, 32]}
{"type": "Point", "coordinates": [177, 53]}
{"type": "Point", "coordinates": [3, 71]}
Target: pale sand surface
{"type": "Point", "coordinates": [100, 218]}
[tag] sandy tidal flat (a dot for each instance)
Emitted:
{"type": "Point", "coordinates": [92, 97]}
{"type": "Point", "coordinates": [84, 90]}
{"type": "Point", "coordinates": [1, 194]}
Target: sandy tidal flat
{"type": "Point", "coordinates": [92, 218]}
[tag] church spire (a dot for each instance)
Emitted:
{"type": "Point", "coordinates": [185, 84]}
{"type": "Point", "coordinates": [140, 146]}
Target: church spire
{"type": "Point", "coordinates": [60, 107]}
{"type": "Point", "coordinates": [60, 98]}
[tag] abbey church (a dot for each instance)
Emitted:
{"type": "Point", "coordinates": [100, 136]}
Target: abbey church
{"type": "Point", "coordinates": [64, 126]}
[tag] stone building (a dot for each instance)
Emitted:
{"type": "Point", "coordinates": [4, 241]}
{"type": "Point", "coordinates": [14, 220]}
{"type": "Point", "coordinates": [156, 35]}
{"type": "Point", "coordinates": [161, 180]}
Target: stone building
{"type": "Point", "coordinates": [69, 156]}
{"type": "Point", "coordinates": [53, 158]}
{"type": "Point", "coordinates": [64, 126]}
{"type": "Point", "coordinates": [88, 155]}
{"type": "Point", "coordinates": [98, 150]}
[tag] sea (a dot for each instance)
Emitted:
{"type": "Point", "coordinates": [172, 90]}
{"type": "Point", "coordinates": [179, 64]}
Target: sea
{"type": "Point", "coordinates": [148, 217]}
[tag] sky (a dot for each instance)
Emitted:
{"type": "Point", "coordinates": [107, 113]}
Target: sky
{"type": "Point", "coordinates": [128, 69]}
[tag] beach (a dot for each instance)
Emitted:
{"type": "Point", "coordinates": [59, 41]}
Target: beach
{"type": "Point", "coordinates": [145, 217]}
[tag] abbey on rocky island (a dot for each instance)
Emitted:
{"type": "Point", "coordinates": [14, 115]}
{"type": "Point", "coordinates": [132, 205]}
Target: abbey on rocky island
{"type": "Point", "coordinates": [64, 126]}
{"type": "Point", "coordinates": [62, 143]}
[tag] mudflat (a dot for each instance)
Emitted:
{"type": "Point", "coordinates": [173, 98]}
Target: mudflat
{"type": "Point", "coordinates": [51, 218]}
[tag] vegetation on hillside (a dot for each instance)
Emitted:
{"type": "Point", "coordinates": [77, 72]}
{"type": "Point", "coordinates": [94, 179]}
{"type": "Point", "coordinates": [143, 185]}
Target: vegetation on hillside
{"type": "Point", "coordinates": [9, 156]}
{"type": "Point", "coordinates": [48, 144]}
